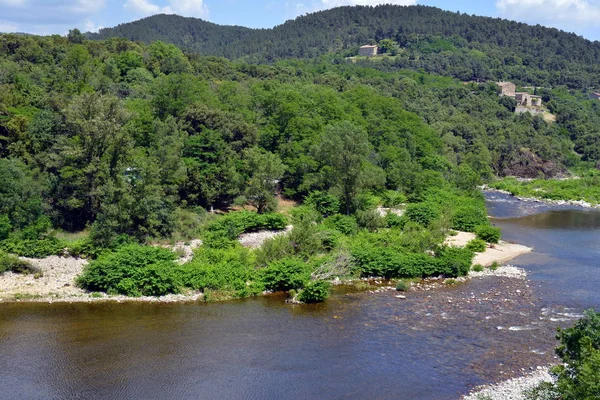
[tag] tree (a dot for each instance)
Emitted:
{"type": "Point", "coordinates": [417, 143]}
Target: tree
{"type": "Point", "coordinates": [343, 153]}
{"type": "Point", "coordinates": [265, 170]}
{"type": "Point", "coordinates": [88, 157]}
{"type": "Point", "coordinates": [388, 46]}
{"type": "Point", "coordinates": [579, 377]}
{"type": "Point", "coordinates": [75, 36]}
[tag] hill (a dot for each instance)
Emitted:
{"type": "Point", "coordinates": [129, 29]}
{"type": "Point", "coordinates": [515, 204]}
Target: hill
{"type": "Point", "coordinates": [442, 42]}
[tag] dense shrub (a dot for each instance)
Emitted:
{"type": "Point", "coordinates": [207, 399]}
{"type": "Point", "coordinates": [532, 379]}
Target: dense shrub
{"type": "Point", "coordinates": [488, 233]}
{"type": "Point", "coordinates": [396, 262]}
{"type": "Point", "coordinates": [33, 248]}
{"type": "Point", "coordinates": [274, 249]}
{"type": "Point", "coordinates": [315, 292]}
{"type": "Point", "coordinates": [455, 261]}
{"type": "Point", "coordinates": [5, 227]}
{"type": "Point", "coordinates": [422, 213]}
{"type": "Point", "coordinates": [579, 350]}
{"type": "Point", "coordinates": [476, 245]}
{"type": "Point", "coordinates": [395, 220]}
{"type": "Point", "coordinates": [345, 224]}
{"type": "Point", "coordinates": [132, 270]}
{"type": "Point", "coordinates": [9, 262]}
{"type": "Point", "coordinates": [236, 223]}
{"type": "Point", "coordinates": [370, 220]}
{"type": "Point", "coordinates": [228, 270]}
{"type": "Point", "coordinates": [326, 204]}
{"type": "Point", "coordinates": [402, 286]}
{"type": "Point", "coordinates": [218, 240]}
{"type": "Point", "coordinates": [467, 218]}
{"type": "Point", "coordinates": [285, 275]}
{"type": "Point", "coordinates": [392, 198]}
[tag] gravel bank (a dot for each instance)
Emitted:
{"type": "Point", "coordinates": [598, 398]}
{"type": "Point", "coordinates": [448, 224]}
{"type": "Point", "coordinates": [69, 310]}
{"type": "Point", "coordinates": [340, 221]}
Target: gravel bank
{"type": "Point", "coordinates": [255, 240]}
{"type": "Point", "coordinates": [57, 284]}
{"type": "Point", "coordinates": [511, 389]}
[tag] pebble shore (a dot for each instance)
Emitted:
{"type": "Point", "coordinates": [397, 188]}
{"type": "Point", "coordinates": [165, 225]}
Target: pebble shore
{"type": "Point", "coordinates": [512, 389]}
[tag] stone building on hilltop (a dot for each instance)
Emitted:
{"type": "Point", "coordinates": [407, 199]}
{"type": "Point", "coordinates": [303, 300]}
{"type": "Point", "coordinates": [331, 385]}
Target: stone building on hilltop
{"type": "Point", "coordinates": [368, 50]}
{"type": "Point", "coordinates": [508, 88]}
{"type": "Point", "coordinates": [528, 100]}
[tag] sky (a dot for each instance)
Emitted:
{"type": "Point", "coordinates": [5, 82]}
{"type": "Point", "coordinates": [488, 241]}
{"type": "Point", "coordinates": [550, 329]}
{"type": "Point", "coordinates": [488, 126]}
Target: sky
{"type": "Point", "coordinates": [58, 16]}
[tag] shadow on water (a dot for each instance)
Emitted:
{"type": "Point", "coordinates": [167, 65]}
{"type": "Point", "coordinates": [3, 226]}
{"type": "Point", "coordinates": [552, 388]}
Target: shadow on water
{"type": "Point", "coordinates": [436, 344]}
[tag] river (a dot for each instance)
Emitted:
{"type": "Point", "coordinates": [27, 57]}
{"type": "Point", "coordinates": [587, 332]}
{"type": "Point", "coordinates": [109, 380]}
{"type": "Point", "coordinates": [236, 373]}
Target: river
{"type": "Point", "coordinates": [436, 344]}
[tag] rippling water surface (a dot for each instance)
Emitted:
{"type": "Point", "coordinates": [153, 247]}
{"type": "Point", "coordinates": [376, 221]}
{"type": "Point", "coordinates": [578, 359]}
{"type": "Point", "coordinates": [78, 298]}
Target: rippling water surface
{"type": "Point", "coordinates": [436, 344]}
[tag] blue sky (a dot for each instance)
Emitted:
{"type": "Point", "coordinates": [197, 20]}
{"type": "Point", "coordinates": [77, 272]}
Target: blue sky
{"type": "Point", "coordinates": [58, 16]}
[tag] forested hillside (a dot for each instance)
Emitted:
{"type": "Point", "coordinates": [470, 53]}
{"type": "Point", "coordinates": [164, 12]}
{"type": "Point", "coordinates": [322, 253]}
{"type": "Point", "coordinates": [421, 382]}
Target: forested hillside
{"type": "Point", "coordinates": [116, 141]}
{"type": "Point", "coordinates": [441, 42]}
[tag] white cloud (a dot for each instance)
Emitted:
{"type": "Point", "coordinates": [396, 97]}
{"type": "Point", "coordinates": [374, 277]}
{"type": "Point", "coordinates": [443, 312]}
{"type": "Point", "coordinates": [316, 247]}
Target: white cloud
{"type": "Point", "coordinates": [91, 26]}
{"type": "Point", "coordinates": [565, 14]}
{"type": "Point", "coordinates": [187, 8]}
{"type": "Point", "coordinates": [85, 6]}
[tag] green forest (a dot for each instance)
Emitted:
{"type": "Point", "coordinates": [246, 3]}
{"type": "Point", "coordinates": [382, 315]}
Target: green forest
{"type": "Point", "coordinates": [451, 44]}
{"type": "Point", "coordinates": [109, 146]}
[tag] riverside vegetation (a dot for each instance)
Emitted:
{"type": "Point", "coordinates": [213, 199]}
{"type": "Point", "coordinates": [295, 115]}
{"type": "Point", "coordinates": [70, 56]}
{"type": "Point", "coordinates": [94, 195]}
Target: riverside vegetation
{"type": "Point", "coordinates": [108, 146]}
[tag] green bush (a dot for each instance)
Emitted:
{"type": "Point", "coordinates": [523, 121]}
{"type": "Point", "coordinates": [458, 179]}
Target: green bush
{"type": "Point", "coordinates": [478, 268]}
{"type": "Point", "coordinates": [315, 292]}
{"type": "Point", "coordinates": [5, 226]}
{"type": "Point", "coordinates": [370, 220]}
{"type": "Point", "coordinates": [33, 248]}
{"type": "Point", "coordinates": [397, 262]}
{"type": "Point", "coordinates": [132, 270]}
{"type": "Point", "coordinates": [218, 240]}
{"type": "Point", "coordinates": [488, 233]}
{"type": "Point", "coordinates": [467, 218]}
{"type": "Point", "coordinates": [579, 350]}
{"type": "Point", "coordinates": [422, 213]}
{"type": "Point", "coordinates": [9, 262]}
{"type": "Point", "coordinates": [326, 204]}
{"type": "Point", "coordinates": [227, 270]}
{"type": "Point", "coordinates": [238, 222]}
{"type": "Point", "coordinates": [345, 224]}
{"type": "Point", "coordinates": [275, 249]}
{"type": "Point", "coordinates": [395, 221]}
{"type": "Point", "coordinates": [476, 245]}
{"type": "Point", "coordinates": [285, 275]}
{"type": "Point", "coordinates": [392, 198]}
{"type": "Point", "coordinates": [85, 248]}
{"type": "Point", "coordinates": [455, 261]}
{"type": "Point", "coordinates": [402, 286]}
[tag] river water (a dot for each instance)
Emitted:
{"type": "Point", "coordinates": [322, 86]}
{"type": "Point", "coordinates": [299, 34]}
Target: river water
{"type": "Point", "coordinates": [436, 344]}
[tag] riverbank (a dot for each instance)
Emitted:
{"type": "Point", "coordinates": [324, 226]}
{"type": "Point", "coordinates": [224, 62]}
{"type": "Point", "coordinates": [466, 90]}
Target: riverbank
{"type": "Point", "coordinates": [56, 280]}
{"type": "Point", "coordinates": [536, 194]}
{"type": "Point", "coordinates": [500, 253]}
{"type": "Point", "coordinates": [512, 389]}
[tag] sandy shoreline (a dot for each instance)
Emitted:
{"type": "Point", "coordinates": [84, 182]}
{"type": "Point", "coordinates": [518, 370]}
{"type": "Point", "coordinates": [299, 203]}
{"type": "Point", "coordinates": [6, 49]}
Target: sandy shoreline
{"type": "Point", "coordinates": [500, 253]}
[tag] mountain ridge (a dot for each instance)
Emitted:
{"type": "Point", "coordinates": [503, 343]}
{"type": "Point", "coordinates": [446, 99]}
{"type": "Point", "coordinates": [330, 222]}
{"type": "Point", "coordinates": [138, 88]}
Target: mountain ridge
{"type": "Point", "coordinates": [462, 46]}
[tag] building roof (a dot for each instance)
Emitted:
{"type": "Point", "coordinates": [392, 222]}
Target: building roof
{"type": "Point", "coordinates": [368, 46]}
